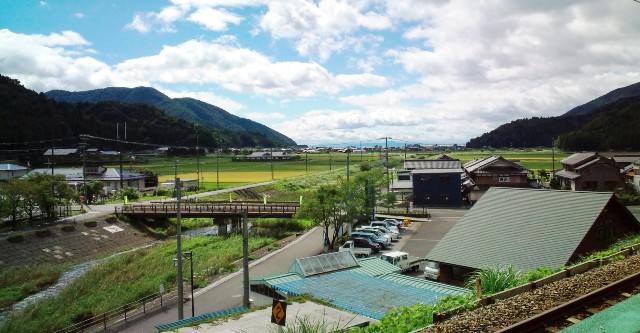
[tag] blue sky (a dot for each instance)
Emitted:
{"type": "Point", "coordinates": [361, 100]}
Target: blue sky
{"type": "Point", "coordinates": [336, 72]}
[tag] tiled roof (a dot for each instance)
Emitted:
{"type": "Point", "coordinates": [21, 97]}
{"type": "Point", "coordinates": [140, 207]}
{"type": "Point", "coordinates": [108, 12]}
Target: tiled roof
{"type": "Point", "coordinates": [523, 227]}
{"type": "Point", "coordinates": [567, 174]}
{"type": "Point", "coordinates": [435, 171]}
{"type": "Point", "coordinates": [75, 174]}
{"type": "Point", "coordinates": [577, 158]}
{"type": "Point", "coordinates": [477, 165]}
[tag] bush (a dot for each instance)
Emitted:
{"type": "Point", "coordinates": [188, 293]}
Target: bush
{"type": "Point", "coordinates": [495, 279]}
{"type": "Point", "coordinates": [68, 228]}
{"type": "Point", "coordinates": [91, 224]}
{"type": "Point", "coordinates": [43, 233]}
{"type": "Point", "coordinates": [129, 192]}
{"type": "Point", "coordinates": [111, 219]}
{"type": "Point", "coordinates": [16, 239]}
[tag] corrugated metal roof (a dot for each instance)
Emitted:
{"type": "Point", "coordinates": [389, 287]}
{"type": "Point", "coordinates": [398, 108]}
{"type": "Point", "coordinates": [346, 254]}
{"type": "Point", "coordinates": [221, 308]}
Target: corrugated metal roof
{"type": "Point", "coordinates": [432, 164]}
{"type": "Point", "coordinates": [523, 227]}
{"type": "Point", "coordinates": [424, 284]}
{"type": "Point", "coordinates": [374, 266]}
{"type": "Point", "coordinates": [366, 295]}
{"type": "Point", "coordinates": [273, 279]}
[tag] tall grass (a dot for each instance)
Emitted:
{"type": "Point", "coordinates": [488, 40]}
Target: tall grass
{"type": "Point", "coordinates": [16, 283]}
{"type": "Point", "coordinates": [494, 279]}
{"type": "Point", "coordinates": [125, 279]}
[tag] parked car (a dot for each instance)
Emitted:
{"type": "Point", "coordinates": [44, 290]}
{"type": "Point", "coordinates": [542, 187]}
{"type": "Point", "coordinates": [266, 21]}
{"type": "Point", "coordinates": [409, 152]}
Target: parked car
{"type": "Point", "coordinates": [365, 242]}
{"type": "Point", "coordinates": [358, 251]}
{"type": "Point", "coordinates": [377, 233]}
{"type": "Point", "coordinates": [384, 224]}
{"type": "Point", "coordinates": [394, 235]}
{"type": "Point", "coordinates": [432, 270]}
{"type": "Point", "coordinates": [403, 260]}
{"type": "Point", "coordinates": [395, 222]}
{"type": "Point", "coordinates": [384, 242]}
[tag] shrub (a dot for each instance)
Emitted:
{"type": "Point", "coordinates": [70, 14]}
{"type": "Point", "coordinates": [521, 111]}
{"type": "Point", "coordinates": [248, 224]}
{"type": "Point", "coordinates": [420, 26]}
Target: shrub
{"type": "Point", "coordinates": [111, 219]}
{"type": "Point", "coordinates": [68, 228]}
{"type": "Point", "coordinates": [19, 238]}
{"type": "Point", "coordinates": [495, 279]}
{"type": "Point", "coordinates": [91, 224]}
{"type": "Point", "coordinates": [43, 233]}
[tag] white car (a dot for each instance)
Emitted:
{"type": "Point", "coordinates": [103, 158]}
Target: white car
{"type": "Point", "coordinates": [377, 233]}
{"type": "Point", "coordinates": [393, 235]}
{"type": "Point", "coordinates": [384, 224]}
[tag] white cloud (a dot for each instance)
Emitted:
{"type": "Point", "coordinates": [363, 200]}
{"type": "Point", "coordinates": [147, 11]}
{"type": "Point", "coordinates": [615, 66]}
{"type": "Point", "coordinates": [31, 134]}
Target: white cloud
{"type": "Point", "coordinates": [140, 23]}
{"type": "Point", "coordinates": [256, 116]}
{"type": "Point", "coordinates": [79, 15]}
{"type": "Point", "coordinates": [213, 19]}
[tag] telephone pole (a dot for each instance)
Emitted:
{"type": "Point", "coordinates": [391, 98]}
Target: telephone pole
{"type": "Point", "coordinates": [386, 161]}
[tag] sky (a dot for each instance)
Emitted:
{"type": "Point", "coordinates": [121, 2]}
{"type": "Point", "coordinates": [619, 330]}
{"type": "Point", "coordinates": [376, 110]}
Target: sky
{"type": "Point", "coordinates": [336, 72]}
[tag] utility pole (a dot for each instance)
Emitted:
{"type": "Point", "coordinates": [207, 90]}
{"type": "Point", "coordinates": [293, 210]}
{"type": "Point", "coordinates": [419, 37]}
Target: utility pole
{"type": "Point", "coordinates": [197, 159]}
{"type": "Point", "coordinates": [84, 164]}
{"type": "Point", "coordinates": [271, 158]}
{"type": "Point", "coordinates": [386, 161]}
{"type": "Point", "coordinates": [245, 260]}
{"type": "Point", "coordinates": [120, 154]}
{"type": "Point", "coordinates": [217, 170]}
{"type": "Point", "coordinates": [178, 187]}
{"type": "Point", "coordinates": [348, 153]}
{"type": "Point", "coordinates": [306, 162]}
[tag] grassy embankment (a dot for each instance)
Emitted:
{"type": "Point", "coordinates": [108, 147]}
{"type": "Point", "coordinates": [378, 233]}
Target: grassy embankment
{"type": "Point", "coordinates": [127, 278]}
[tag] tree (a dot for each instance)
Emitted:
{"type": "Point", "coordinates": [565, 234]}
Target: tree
{"type": "Point", "coordinates": [94, 189]}
{"type": "Point", "coordinates": [50, 191]}
{"type": "Point", "coordinates": [10, 196]}
{"type": "Point", "coordinates": [389, 200]}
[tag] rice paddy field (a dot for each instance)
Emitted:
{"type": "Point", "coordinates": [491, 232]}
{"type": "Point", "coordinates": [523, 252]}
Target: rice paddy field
{"type": "Point", "coordinates": [222, 172]}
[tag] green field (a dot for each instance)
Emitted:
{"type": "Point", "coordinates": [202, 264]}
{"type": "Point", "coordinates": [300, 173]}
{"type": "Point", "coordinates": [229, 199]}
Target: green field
{"type": "Point", "coordinates": [222, 172]}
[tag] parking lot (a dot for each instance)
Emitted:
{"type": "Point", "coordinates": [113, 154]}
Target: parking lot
{"type": "Point", "coordinates": [423, 235]}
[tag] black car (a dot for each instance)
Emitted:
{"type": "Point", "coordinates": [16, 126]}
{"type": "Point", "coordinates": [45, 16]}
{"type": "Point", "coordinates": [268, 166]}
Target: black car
{"type": "Point", "coordinates": [371, 237]}
{"type": "Point", "coordinates": [364, 242]}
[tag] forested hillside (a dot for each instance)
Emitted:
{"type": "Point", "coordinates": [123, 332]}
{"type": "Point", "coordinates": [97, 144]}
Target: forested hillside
{"type": "Point", "coordinates": [615, 126]}
{"type": "Point", "coordinates": [189, 109]}
{"type": "Point", "coordinates": [582, 128]}
{"type": "Point", "coordinates": [29, 121]}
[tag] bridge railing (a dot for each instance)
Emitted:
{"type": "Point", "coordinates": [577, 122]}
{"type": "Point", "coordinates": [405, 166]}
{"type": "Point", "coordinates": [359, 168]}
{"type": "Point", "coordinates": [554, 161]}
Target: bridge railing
{"type": "Point", "coordinates": [281, 208]}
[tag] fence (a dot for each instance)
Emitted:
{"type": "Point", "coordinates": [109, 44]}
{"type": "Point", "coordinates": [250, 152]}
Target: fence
{"type": "Point", "coordinates": [124, 313]}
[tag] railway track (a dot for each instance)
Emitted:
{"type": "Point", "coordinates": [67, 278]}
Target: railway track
{"type": "Point", "coordinates": [571, 312]}
{"type": "Point", "coordinates": [552, 307]}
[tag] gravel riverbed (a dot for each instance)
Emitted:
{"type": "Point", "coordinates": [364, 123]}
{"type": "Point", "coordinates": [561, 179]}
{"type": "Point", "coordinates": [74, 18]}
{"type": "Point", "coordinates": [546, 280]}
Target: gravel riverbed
{"type": "Point", "coordinates": [506, 312]}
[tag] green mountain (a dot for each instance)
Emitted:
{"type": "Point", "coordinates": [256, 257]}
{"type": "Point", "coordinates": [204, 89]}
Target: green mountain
{"type": "Point", "coordinates": [573, 128]}
{"type": "Point", "coordinates": [189, 109]}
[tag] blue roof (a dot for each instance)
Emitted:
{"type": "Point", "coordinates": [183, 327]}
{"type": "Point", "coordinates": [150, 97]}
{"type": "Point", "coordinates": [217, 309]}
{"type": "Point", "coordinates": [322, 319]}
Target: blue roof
{"type": "Point", "coordinates": [11, 167]}
{"type": "Point", "coordinates": [363, 294]}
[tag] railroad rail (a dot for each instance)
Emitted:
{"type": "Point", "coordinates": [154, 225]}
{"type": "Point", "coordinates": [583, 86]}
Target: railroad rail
{"type": "Point", "coordinates": [583, 304]}
{"type": "Point", "coordinates": [211, 209]}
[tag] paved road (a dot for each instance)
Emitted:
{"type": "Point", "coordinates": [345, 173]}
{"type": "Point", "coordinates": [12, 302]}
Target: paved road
{"type": "Point", "coordinates": [228, 294]}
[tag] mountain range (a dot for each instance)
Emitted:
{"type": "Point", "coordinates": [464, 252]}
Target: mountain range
{"type": "Point", "coordinates": [189, 109]}
{"type": "Point", "coordinates": [609, 122]}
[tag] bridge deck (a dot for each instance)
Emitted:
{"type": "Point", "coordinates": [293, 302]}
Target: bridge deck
{"type": "Point", "coordinates": [211, 209]}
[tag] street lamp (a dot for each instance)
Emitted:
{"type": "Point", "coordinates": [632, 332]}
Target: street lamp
{"type": "Point", "coordinates": [188, 256]}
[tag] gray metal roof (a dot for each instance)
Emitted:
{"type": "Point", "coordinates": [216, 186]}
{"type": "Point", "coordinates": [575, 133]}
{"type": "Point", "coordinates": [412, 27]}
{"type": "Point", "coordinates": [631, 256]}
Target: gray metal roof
{"type": "Point", "coordinates": [61, 151]}
{"type": "Point", "coordinates": [75, 174]}
{"type": "Point", "coordinates": [437, 171]}
{"type": "Point", "coordinates": [479, 164]}
{"type": "Point", "coordinates": [567, 174]}
{"type": "Point", "coordinates": [526, 228]}
{"type": "Point", "coordinates": [11, 167]}
{"type": "Point", "coordinates": [577, 158]}
{"type": "Point", "coordinates": [431, 164]}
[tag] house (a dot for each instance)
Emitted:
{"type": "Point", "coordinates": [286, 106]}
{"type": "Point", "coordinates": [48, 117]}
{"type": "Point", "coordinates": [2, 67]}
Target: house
{"type": "Point", "coordinates": [531, 228]}
{"type": "Point", "coordinates": [9, 171]}
{"type": "Point", "coordinates": [110, 177]}
{"type": "Point", "coordinates": [435, 182]}
{"type": "Point", "coordinates": [267, 156]}
{"type": "Point", "coordinates": [494, 170]}
{"type": "Point", "coordinates": [369, 286]}
{"type": "Point", "coordinates": [589, 172]}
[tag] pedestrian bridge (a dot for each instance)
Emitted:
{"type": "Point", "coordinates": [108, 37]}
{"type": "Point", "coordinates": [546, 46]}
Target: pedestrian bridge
{"type": "Point", "coordinates": [214, 209]}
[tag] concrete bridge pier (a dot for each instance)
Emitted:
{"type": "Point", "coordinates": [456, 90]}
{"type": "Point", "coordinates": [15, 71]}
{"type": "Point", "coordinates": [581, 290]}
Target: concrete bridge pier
{"type": "Point", "coordinates": [222, 223]}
